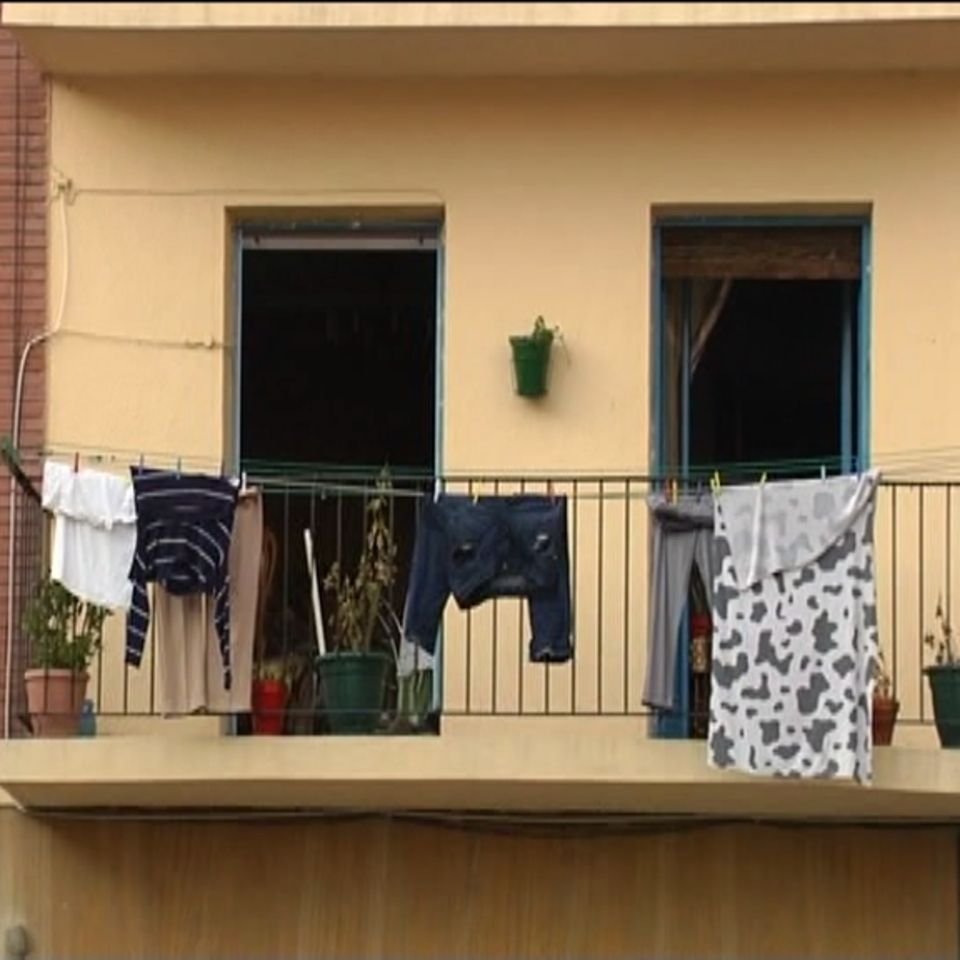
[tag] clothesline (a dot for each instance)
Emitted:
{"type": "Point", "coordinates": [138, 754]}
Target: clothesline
{"type": "Point", "coordinates": [332, 479]}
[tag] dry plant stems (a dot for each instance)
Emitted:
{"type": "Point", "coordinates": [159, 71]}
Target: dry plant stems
{"type": "Point", "coordinates": [361, 601]}
{"type": "Point", "coordinates": [945, 651]}
{"type": "Point", "coordinates": [884, 688]}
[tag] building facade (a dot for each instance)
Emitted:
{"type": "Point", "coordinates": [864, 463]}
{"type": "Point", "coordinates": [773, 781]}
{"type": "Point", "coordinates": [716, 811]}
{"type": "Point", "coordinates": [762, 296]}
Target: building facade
{"type": "Point", "coordinates": [288, 240]}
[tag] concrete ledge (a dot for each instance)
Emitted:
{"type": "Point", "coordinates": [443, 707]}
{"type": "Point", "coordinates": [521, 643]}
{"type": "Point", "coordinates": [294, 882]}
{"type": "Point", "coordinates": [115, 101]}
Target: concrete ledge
{"type": "Point", "coordinates": [487, 40]}
{"type": "Point", "coordinates": [585, 765]}
{"type": "Point", "coordinates": [332, 16]}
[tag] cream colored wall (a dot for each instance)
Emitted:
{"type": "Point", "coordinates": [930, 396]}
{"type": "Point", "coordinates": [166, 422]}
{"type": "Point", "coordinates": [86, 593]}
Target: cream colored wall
{"type": "Point", "coordinates": [548, 190]}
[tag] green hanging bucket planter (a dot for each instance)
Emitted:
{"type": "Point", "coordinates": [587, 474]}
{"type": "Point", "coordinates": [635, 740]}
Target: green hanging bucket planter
{"type": "Point", "coordinates": [531, 359]}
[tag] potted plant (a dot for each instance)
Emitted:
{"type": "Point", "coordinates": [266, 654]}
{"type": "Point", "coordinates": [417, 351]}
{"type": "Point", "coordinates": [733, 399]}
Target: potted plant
{"type": "Point", "coordinates": [944, 679]}
{"type": "Point", "coordinates": [353, 677]}
{"type": "Point", "coordinates": [885, 706]}
{"type": "Point", "coordinates": [531, 358]}
{"type": "Point", "coordinates": [65, 634]}
{"type": "Point", "coordinates": [271, 688]}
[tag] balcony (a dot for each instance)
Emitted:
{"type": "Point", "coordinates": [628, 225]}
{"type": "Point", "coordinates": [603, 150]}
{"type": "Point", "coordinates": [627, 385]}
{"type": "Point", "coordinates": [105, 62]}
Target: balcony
{"type": "Point", "coordinates": [505, 39]}
{"type": "Point", "coordinates": [483, 727]}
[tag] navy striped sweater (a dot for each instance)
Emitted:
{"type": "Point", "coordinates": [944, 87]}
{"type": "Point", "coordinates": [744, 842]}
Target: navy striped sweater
{"type": "Point", "coordinates": [184, 526]}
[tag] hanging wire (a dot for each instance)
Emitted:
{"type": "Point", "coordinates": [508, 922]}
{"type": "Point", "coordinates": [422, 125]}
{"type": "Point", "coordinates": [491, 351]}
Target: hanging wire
{"type": "Point", "coordinates": [904, 464]}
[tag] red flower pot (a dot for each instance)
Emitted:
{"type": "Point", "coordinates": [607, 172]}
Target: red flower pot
{"type": "Point", "coordinates": [269, 707]}
{"type": "Point", "coordinates": [700, 625]}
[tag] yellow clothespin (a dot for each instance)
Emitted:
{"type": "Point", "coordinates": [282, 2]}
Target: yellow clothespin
{"type": "Point", "coordinates": [715, 481]}
{"type": "Point", "coordinates": [763, 478]}
{"type": "Point", "coordinates": [673, 491]}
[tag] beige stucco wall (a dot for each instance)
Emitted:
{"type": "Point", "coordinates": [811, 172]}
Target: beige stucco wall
{"type": "Point", "coordinates": [548, 195]}
{"type": "Point", "coordinates": [547, 190]}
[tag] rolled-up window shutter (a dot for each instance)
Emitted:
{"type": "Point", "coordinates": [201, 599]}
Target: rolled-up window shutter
{"type": "Point", "coordinates": [762, 253]}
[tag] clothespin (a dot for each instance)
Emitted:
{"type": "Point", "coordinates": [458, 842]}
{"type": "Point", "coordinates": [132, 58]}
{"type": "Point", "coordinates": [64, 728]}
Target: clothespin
{"type": "Point", "coordinates": [823, 471]}
{"type": "Point", "coordinates": [550, 492]}
{"type": "Point", "coordinates": [76, 462]}
{"type": "Point", "coordinates": [673, 491]}
{"type": "Point", "coordinates": [179, 465]}
{"type": "Point", "coordinates": [763, 478]}
{"type": "Point", "coordinates": [243, 481]}
{"type": "Point", "coordinates": [437, 489]}
{"type": "Point", "coordinates": [715, 481]}
{"type": "Point", "coordinates": [141, 461]}
{"type": "Point", "coordinates": [476, 495]}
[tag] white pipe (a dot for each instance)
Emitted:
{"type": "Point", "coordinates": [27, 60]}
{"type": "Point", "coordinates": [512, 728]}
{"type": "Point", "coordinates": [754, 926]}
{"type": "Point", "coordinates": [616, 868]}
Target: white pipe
{"type": "Point", "coordinates": [17, 414]}
{"type": "Point", "coordinates": [314, 590]}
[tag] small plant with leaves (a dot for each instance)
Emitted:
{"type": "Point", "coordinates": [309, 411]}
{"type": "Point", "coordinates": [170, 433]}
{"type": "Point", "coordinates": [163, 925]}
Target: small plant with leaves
{"type": "Point", "coordinates": [275, 669]}
{"type": "Point", "coordinates": [945, 653]}
{"type": "Point", "coordinates": [544, 334]}
{"type": "Point", "coordinates": [884, 685]}
{"type": "Point", "coordinates": [64, 631]}
{"type": "Point", "coordinates": [360, 600]}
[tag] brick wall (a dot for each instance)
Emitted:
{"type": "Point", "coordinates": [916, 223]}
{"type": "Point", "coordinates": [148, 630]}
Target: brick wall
{"type": "Point", "coordinates": [23, 293]}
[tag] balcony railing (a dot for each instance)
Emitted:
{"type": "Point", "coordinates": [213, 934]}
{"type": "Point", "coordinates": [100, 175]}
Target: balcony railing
{"type": "Point", "coordinates": [482, 667]}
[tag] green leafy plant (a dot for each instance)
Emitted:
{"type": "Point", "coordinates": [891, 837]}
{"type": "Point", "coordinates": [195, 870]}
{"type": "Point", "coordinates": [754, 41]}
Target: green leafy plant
{"type": "Point", "coordinates": [361, 601]}
{"type": "Point", "coordinates": [945, 652]}
{"type": "Point", "coordinates": [543, 333]}
{"type": "Point", "coordinates": [276, 669]}
{"type": "Point", "coordinates": [65, 633]}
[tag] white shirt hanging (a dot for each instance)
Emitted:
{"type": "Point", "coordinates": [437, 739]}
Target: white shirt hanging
{"type": "Point", "coordinates": [94, 534]}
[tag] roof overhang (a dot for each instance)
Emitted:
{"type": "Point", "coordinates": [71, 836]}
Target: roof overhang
{"type": "Point", "coordinates": [370, 39]}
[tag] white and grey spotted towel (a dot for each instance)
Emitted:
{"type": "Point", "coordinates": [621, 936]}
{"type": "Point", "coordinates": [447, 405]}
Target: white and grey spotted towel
{"type": "Point", "coordinates": [795, 628]}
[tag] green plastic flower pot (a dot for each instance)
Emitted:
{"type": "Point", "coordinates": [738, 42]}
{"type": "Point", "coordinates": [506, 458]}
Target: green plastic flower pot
{"type": "Point", "coordinates": [353, 685]}
{"type": "Point", "coordinates": [531, 364]}
{"type": "Point", "coordinates": [945, 689]}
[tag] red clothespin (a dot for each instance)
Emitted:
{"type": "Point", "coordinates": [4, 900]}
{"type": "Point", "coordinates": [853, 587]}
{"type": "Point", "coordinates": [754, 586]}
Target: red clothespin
{"type": "Point", "coordinates": [76, 462]}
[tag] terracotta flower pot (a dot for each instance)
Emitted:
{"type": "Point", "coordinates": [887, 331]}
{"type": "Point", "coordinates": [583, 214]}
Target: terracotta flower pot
{"type": "Point", "coordinates": [885, 710]}
{"type": "Point", "coordinates": [55, 701]}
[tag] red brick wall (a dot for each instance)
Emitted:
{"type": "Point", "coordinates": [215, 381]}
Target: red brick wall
{"type": "Point", "coordinates": [23, 293]}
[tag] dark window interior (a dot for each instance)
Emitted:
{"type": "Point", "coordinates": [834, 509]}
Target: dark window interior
{"type": "Point", "coordinates": [768, 388]}
{"type": "Point", "coordinates": [338, 357]}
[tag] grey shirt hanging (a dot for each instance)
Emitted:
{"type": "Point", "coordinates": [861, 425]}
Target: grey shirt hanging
{"type": "Point", "coordinates": [682, 537]}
